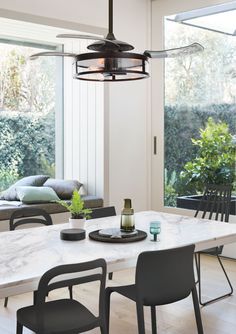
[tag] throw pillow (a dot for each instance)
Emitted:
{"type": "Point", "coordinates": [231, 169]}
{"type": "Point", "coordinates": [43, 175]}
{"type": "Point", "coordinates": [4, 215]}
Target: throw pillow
{"type": "Point", "coordinates": [35, 180]}
{"type": "Point", "coordinates": [63, 188]}
{"type": "Point", "coordinates": [30, 195]}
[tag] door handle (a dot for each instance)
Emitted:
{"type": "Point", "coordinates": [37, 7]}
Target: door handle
{"type": "Point", "coordinates": [154, 145]}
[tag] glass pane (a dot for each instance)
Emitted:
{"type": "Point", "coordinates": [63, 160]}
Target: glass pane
{"type": "Point", "coordinates": [27, 114]}
{"type": "Point", "coordinates": [200, 113]}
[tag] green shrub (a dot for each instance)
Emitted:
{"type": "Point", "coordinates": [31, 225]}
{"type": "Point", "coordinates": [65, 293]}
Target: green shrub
{"type": "Point", "coordinates": [27, 145]}
{"type": "Point", "coordinates": [215, 159]}
{"type": "Point", "coordinates": [8, 177]}
{"type": "Point", "coordinates": [170, 192]}
{"type": "Point", "coordinates": [182, 123]}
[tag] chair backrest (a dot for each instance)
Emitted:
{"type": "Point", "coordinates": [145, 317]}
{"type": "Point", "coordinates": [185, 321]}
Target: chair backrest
{"type": "Point", "coordinates": [70, 275]}
{"type": "Point", "coordinates": [215, 202]}
{"type": "Point", "coordinates": [165, 276]}
{"type": "Point", "coordinates": [28, 217]}
{"type": "Point", "coordinates": [103, 212]}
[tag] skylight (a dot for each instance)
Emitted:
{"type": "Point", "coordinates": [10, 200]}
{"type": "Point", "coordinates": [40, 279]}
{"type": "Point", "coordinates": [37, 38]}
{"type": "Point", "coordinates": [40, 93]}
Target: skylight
{"type": "Point", "coordinates": [220, 18]}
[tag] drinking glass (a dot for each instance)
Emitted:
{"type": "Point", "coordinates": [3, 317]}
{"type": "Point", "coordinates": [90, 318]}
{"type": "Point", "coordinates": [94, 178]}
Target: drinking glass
{"type": "Point", "coordinates": [155, 229]}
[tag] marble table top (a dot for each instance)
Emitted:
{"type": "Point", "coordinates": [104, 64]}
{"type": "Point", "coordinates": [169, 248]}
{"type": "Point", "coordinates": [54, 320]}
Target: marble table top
{"type": "Point", "coordinates": [26, 254]}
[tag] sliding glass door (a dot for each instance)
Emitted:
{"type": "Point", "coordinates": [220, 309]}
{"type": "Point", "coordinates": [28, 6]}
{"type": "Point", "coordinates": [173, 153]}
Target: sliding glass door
{"type": "Point", "coordinates": [193, 103]}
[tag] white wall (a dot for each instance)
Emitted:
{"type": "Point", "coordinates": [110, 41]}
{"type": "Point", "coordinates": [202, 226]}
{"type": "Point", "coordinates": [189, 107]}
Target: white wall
{"type": "Point", "coordinates": [128, 112]}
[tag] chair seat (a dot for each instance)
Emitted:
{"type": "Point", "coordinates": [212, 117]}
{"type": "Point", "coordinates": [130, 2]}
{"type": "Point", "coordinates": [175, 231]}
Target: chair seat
{"type": "Point", "coordinates": [64, 316]}
{"type": "Point", "coordinates": [213, 250]}
{"type": "Point", "coordinates": [128, 291]}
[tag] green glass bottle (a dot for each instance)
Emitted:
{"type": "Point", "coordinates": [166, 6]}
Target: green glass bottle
{"type": "Point", "coordinates": [127, 217]}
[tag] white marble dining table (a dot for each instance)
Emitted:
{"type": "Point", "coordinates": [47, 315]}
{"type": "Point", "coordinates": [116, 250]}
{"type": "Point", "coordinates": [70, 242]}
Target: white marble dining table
{"type": "Point", "coordinates": [27, 253]}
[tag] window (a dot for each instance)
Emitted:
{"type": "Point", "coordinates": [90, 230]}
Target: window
{"type": "Point", "coordinates": [54, 124]}
{"type": "Point", "coordinates": [200, 92]}
{"type": "Point", "coordinates": [27, 111]}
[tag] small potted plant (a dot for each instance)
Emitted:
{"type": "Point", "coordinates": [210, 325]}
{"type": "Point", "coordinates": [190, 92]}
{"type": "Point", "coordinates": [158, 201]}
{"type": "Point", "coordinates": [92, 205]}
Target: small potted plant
{"type": "Point", "coordinates": [78, 213]}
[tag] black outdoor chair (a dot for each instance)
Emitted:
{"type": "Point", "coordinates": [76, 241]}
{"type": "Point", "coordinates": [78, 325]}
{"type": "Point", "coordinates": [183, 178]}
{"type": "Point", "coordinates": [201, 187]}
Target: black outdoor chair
{"type": "Point", "coordinates": [108, 211]}
{"type": "Point", "coordinates": [65, 316]}
{"type": "Point", "coordinates": [162, 277]}
{"type": "Point", "coordinates": [215, 204]}
{"type": "Point", "coordinates": [26, 216]}
{"type": "Point", "coordinates": [99, 213]}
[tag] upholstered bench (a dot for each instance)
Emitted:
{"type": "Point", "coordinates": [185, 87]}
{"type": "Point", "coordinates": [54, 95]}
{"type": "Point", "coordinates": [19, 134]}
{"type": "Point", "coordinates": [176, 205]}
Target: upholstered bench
{"type": "Point", "coordinates": [51, 208]}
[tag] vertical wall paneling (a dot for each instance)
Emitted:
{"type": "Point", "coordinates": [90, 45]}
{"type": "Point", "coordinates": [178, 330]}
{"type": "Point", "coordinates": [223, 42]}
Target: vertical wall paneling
{"type": "Point", "coordinates": [100, 140]}
{"type": "Point", "coordinates": [59, 119]}
{"type": "Point", "coordinates": [68, 98]}
{"type": "Point", "coordinates": [91, 118]}
{"type": "Point", "coordinates": [83, 128]}
{"type": "Point", "coordinates": [76, 121]}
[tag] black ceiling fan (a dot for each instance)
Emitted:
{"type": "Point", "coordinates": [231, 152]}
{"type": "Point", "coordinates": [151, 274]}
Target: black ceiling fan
{"type": "Point", "coordinates": [111, 61]}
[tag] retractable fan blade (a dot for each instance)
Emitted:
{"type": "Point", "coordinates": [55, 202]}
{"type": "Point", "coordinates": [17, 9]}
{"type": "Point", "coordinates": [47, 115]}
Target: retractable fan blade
{"type": "Point", "coordinates": [91, 37]}
{"type": "Point", "coordinates": [176, 52]}
{"type": "Point", "coordinates": [57, 54]}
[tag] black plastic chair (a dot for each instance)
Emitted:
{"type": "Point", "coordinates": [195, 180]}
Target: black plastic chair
{"type": "Point", "coordinates": [65, 316]}
{"type": "Point", "coordinates": [162, 277]}
{"type": "Point", "coordinates": [99, 213]}
{"type": "Point", "coordinates": [26, 216]}
{"type": "Point", "coordinates": [103, 212]}
{"type": "Point", "coordinates": [215, 204]}
{"type": "Point", "coordinates": [108, 211]}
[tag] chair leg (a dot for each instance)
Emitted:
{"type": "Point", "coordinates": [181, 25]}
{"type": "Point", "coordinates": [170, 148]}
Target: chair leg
{"type": "Point", "coordinates": [226, 276]}
{"type": "Point", "coordinates": [199, 282]}
{"type": "Point", "coordinates": [70, 291]}
{"type": "Point", "coordinates": [108, 292]}
{"type": "Point", "coordinates": [19, 328]}
{"type": "Point", "coordinates": [140, 318]}
{"type": "Point", "coordinates": [196, 265]}
{"type": "Point", "coordinates": [34, 297]}
{"type": "Point", "coordinates": [6, 302]}
{"type": "Point", "coordinates": [197, 311]}
{"type": "Point", "coordinates": [110, 276]}
{"type": "Point", "coordinates": [154, 320]}
{"type": "Point", "coordinates": [103, 330]}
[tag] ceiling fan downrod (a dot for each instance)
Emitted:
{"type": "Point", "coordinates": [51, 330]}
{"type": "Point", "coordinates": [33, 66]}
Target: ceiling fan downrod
{"type": "Point", "coordinates": [110, 19]}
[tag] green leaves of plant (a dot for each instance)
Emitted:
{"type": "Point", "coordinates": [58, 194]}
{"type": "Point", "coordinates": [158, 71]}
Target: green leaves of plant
{"type": "Point", "coordinates": [215, 161]}
{"type": "Point", "coordinates": [76, 207]}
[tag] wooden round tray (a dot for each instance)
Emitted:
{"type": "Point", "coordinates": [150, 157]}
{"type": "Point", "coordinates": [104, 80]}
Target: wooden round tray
{"type": "Point", "coordinates": [141, 235]}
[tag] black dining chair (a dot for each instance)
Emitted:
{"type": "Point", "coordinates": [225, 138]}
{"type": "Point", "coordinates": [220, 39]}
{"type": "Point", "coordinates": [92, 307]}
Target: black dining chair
{"type": "Point", "coordinates": [162, 277]}
{"type": "Point", "coordinates": [29, 216]}
{"type": "Point", "coordinates": [108, 211]}
{"type": "Point", "coordinates": [103, 212]}
{"type": "Point", "coordinates": [26, 216]}
{"type": "Point", "coordinates": [215, 204]}
{"type": "Point", "coordinates": [65, 316]}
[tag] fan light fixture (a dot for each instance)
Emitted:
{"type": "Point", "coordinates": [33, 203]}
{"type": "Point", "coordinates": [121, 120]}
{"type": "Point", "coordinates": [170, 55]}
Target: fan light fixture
{"type": "Point", "coordinates": [111, 61]}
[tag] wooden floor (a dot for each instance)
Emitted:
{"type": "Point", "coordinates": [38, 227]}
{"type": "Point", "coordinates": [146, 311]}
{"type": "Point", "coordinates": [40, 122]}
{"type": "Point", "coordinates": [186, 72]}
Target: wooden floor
{"type": "Point", "coordinates": [177, 318]}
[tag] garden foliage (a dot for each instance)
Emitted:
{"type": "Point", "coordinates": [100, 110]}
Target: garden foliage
{"type": "Point", "coordinates": [27, 146]}
{"type": "Point", "coordinates": [182, 123]}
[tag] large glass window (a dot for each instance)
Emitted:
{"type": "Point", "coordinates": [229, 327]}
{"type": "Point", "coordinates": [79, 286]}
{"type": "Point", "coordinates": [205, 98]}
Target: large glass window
{"type": "Point", "coordinates": [27, 112]}
{"type": "Point", "coordinates": [200, 110]}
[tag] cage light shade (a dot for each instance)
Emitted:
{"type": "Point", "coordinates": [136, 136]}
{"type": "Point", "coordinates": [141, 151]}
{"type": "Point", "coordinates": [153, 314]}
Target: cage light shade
{"type": "Point", "coordinates": [111, 66]}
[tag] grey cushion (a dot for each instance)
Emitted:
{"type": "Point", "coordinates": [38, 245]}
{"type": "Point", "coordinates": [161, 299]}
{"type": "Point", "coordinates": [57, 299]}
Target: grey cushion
{"type": "Point", "coordinates": [35, 180]}
{"type": "Point", "coordinates": [63, 188]}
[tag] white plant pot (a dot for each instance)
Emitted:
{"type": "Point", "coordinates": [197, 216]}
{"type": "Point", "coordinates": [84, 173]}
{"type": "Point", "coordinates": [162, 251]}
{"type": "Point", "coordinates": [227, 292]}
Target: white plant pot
{"type": "Point", "coordinates": [77, 223]}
